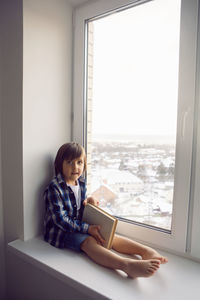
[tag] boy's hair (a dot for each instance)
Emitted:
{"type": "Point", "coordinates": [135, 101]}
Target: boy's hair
{"type": "Point", "coordinates": [68, 151]}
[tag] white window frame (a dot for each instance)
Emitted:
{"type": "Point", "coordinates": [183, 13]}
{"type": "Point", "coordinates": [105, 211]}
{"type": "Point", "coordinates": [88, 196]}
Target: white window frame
{"type": "Point", "coordinates": [194, 218]}
{"type": "Point", "coordinates": [183, 236]}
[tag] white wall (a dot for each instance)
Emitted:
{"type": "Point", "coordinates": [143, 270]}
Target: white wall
{"type": "Point", "coordinates": [47, 65]}
{"type": "Point", "coordinates": [36, 112]}
{"type": "Point", "coordinates": [12, 117]}
{"type": "Point", "coordinates": [2, 241]}
{"type": "Point", "coordinates": [2, 245]}
{"type": "Point", "coordinates": [11, 220]}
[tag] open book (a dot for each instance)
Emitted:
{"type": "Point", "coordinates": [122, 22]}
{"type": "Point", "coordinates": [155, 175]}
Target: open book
{"type": "Point", "coordinates": [94, 215]}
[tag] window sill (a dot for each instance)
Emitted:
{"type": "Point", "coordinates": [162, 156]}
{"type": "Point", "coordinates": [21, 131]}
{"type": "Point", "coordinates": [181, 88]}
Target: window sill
{"type": "Point", "coordinates": [179, 279]}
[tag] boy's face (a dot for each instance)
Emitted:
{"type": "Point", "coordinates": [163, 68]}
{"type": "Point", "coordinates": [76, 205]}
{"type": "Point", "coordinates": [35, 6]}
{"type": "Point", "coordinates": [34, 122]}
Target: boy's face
{"type": "Point", "coordinates": [73, 169]}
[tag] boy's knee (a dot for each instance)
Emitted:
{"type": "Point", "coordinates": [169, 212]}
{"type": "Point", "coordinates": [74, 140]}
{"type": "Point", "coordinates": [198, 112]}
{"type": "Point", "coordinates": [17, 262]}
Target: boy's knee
{"type": "Point", "coordinates": [87, 242]}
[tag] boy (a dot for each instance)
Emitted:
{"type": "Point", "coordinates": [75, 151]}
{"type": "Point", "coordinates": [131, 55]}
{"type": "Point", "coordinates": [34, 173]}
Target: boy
{"type": "Point", "coordinates": [65, 198]}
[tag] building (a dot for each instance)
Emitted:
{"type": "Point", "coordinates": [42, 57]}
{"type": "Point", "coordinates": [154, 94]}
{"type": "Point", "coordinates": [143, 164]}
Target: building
{"type": "Point", "coordinates": [121, 181]}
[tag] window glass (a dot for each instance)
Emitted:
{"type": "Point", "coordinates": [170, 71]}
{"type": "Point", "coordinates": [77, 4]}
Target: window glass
{"type": "Point", "coordinates": [132, 93]}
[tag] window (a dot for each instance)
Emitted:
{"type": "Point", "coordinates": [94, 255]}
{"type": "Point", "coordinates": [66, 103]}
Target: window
{"type": "Point", "coordinates": [131, 135]}
{"type": "Point", "coordinates": [153, 196]}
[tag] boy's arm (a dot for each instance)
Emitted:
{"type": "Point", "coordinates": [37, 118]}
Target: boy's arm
{"type": "Point", "coordinates": [60, 214]}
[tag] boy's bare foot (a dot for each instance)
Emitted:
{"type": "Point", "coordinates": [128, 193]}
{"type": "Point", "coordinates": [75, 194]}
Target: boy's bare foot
{"type": "Point", "coordinates": [141, 268]}
{"type": "Point", "coordinates": [151, 253]}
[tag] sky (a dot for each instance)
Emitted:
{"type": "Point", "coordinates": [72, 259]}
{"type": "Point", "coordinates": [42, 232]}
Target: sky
{"type": "Point", "coordinates": [135, 79]}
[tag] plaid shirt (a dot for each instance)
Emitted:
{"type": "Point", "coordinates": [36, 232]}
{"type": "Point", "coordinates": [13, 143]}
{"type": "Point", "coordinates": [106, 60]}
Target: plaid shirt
{"type": "Point", "coordinates": [61, 214]}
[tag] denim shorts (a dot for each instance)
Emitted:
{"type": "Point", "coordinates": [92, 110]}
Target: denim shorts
{"type": "Point", "coordinates": [73, 240]}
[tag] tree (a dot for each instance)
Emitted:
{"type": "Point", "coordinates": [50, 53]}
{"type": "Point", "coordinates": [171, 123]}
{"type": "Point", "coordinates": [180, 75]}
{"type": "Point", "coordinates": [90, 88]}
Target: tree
{"type": "Point", "coordinates": [162, 170]}
{"type": "Point", "coordinates": [122, 165]}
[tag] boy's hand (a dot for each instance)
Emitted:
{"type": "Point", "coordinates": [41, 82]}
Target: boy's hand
{"type": "Point", "coordinates": [91, 200]}
{"type": "Point", "coordinates": [94, 231]}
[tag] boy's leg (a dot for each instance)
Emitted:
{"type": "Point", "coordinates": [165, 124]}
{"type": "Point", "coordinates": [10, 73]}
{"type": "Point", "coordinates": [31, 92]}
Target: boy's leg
{"type": "Point", "coordinates": [106, 258]}
{"type": "Point", "coordinates": [127, 246]}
